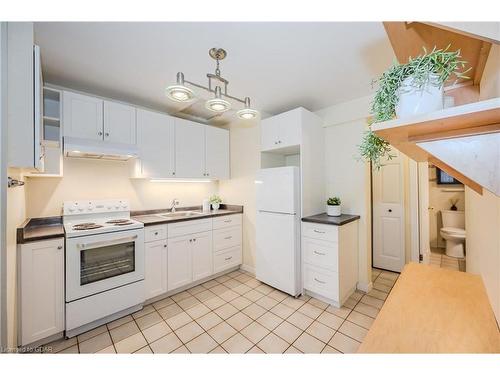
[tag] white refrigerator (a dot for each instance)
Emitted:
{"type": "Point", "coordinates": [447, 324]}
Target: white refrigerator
{"type": "Point", "coordinates": [278, 229]}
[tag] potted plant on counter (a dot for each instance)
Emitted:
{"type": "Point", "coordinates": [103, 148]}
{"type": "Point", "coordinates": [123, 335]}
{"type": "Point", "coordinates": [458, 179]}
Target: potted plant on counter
{"type": "Point", "coordinates": [215, 201]}
{"type": "Point", "coordinates": [410, 89]}
{"type": "Point", "coordinates": [333, 207]}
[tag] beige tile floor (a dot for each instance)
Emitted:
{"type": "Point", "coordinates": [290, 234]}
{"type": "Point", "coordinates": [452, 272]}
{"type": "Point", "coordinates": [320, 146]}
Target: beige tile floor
{"type": "Point", "coordinates": [439, 259]}
{"type": "Point", "coordinates": [236, 313]}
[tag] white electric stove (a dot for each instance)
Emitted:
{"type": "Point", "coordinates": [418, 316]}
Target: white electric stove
{"type": "Point", "coordinates": [104, 263]}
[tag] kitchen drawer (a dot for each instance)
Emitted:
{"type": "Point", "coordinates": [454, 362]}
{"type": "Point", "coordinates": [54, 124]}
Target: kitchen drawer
{"type": "Point", "coordinates": [226, 238]}
{"type": "Point", "coordinates": [229, 258]}
{"type": "Point", "coordinates": [155, 233]}
{"type": "Point", "coordinates": [320, 253]}
{"type": "Point", "coordinates": [188, 227]}
{"type": "Point", "coordinates": [320, 231]}
{"type": "Point", "coordinates": [226, 221]}
{"type": "Point", "coordinates": [321, 281]}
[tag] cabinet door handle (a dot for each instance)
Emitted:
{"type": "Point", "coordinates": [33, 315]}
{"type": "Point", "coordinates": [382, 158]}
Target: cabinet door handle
{"type": "Point", "coordinates": [318, 253]}
{"type": "Point", "coordinates": [229, 258]}
{"type": "Point", "coordinates": [99, 133]}
{"type": "Point", "coordinates": [228, 238]}
{"type": "Point", "coordinates": [227, 221]}
{"type": "Point", "coordinates": [164, 245]}
{"type": "Point", "coordinates": [319, 281]}
{"type": "Point", "coordinates": [194, 239]}
{"type": "Point", "coordinates": [173, 173]}
{"type": "Point", "coordinates": [59, 247]}
{"type": "Point", "coordinates": [106, 134]}
{"type": "Point", "coordinates": [318, 231]}
{"type": "Point", "coordinates": [156, 233]}
{"type": "Point", "coordinates": [190, 240]}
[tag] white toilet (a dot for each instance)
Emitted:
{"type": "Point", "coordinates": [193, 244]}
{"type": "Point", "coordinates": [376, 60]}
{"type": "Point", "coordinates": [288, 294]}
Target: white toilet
{"type": "Point", "coordinates": [453, 232]}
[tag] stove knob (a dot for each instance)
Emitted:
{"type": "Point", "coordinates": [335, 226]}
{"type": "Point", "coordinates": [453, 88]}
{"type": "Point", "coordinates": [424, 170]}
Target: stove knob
{"type": "Point", "coordinates": [117, 207]}
{"type": "Point", "coordinates": [71, 209]}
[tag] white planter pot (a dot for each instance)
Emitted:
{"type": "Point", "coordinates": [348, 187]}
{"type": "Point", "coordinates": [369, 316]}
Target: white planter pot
{"type": "Point", "coordinates": [215, 206]}
{"type": "Point", "coordinates": [415, 101]}
{"type": "Point", "coordinates": [333, 210]}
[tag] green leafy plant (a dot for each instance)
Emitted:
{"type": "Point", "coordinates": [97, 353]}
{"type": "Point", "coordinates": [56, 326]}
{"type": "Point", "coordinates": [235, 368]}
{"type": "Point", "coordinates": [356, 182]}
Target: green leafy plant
{"type": "Point", "coordinates": [438, 65]}
{"type": "Point", "coordinates": [334, 201]}
{"type": "Point", "coordinates": [215, 199]}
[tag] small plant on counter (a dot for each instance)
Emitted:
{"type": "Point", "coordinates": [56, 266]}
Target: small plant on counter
{"type": "Point", "coordinates": [215, 201]}
{"type": "Point", "coordinates": [333, 206]}
{"type": "Point", "coordinates": [427, 70]}
{"type": "Point", "coordinates": [335, 201]}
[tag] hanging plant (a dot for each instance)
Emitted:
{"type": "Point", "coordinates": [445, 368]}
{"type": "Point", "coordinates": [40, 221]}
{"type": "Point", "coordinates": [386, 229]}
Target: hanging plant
{"type": "Point", "coordinates": [438, 66]}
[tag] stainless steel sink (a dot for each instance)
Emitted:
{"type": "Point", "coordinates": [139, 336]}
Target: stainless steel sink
{"type": "Point", "coordinates": [180, 214]}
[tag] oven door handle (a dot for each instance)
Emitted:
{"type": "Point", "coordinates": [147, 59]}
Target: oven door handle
{"type": "Point", "coordinates": [91, 245]}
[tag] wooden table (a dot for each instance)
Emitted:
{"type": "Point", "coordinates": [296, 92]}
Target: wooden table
{"type": "Point", "coordinates": [434, 310]}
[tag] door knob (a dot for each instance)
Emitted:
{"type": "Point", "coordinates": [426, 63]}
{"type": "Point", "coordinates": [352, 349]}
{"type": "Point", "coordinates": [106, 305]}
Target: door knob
{"type": "Point", "coordinates": [390, 210]}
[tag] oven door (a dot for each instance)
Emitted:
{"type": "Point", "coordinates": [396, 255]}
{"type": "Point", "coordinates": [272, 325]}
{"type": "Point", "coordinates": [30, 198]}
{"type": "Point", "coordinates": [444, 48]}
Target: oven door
{"type": "Point", "coordinates": [102, 262]}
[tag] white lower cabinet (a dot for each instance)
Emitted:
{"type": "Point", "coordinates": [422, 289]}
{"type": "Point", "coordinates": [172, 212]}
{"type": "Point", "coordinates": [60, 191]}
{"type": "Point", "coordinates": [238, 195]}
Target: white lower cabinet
{"type": "Point", "coordinates": [41, 290]}
{"type": "Point", "coordinates": [182, 253]}
{"type": "Point", "coordinates": [201, 250]}
{"type": "Point", "coordinates": [179, 262]}
{"type": "Point", "coordinates": [330, 256]}
{"type": "Point", "coordinates": [155, 271]}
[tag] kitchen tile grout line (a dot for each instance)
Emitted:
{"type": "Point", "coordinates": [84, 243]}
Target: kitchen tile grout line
{"type": "Point", "coordinates": [229, 302]}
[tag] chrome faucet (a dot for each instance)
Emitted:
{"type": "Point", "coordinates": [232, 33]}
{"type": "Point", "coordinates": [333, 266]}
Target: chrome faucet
{"type": "Point", "coordinates": [175, 202]}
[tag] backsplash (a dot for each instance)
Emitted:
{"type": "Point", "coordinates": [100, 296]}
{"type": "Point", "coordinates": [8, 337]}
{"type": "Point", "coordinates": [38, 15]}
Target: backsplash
{"type": "Point", "coordinates": [100, 179]}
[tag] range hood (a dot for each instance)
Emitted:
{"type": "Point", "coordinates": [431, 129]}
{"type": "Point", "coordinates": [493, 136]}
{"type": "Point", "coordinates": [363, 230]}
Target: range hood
{"type": "Point", "coordinates": [93, 149]}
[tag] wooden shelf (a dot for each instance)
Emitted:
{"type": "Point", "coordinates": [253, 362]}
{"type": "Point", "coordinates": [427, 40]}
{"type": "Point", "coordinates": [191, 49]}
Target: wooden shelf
{"type": "Point", "coordinates": [462, 121]}
{"type": "Point", "coordinates": [469, 119]}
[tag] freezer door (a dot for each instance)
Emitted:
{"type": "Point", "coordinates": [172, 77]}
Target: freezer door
{"type": "Point", "coordinates": [278, 190]}
{"type": "Point", "coordinates": [278, 257]}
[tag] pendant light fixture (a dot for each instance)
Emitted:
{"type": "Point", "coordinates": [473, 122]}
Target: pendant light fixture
{"type": "Point", "coordinates": [181, 93]}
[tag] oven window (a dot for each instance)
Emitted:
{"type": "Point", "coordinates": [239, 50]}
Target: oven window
{"type": "Point", "coordinates": [105, 262]}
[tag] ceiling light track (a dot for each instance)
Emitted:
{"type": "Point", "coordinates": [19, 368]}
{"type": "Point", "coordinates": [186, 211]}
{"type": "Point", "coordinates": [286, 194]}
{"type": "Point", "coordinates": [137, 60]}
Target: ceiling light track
{"type": "Point", "coordinates": [181, 93]}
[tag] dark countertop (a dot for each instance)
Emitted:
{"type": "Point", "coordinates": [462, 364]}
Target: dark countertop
{"type": "Point", "coordinates": [331, 220]}
{"type": "Point", "coordinates": [43, 228]}
{"type": "Point", "coordinates": [151, 217]}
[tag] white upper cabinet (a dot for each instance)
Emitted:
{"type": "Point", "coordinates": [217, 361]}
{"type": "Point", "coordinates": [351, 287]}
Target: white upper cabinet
{"type": "Point", "coordinates": [283, 130]}
{"type": "Point", "coordinates": [83, 116]}
{"type": "Point", "coordinates": [155, 140]}
{"type": "Point", "coordinates": [216, 153]}
{"type": "Point", "coordinates": [119, 123]}
{"type": "Point", "coordinates": [189, 149]}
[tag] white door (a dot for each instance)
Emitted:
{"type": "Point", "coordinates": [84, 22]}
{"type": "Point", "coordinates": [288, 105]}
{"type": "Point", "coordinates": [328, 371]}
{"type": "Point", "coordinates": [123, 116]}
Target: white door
{"type": "Point", "coordinates": [189, 149]}
{"type": "Point", "coordinates": [119, 123]}
{"type": "Point", "coordinates": [179, 271]}
{"type": "Point", "coordinates": [155, 140]}
{"type": "Point", "coordinates": [155, 268]}
{"type": "Point", "coordinates": [277, 255]}
{"type": "Point", "coordinates": [388, 215]}
{"type": "Point", "coordinates": [269, 134]}
{"type": "Point", "coordinates": [216, 153]}
{"type": "Point", "coordinates": [82, 116]}
{"type": "Point", "coordinates": [42, 290]}
{"type": "Point", "coordinates": [201, 248]}
{"type": "Point", "coordinates": [278, 190]}
{"type": "Point", "coordinates": [290, 128]}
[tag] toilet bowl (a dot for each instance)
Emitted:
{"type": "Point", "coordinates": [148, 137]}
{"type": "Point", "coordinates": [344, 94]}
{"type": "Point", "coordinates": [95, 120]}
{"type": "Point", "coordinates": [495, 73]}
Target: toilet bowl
{"type": "Point", "coordinates": [453, 232]}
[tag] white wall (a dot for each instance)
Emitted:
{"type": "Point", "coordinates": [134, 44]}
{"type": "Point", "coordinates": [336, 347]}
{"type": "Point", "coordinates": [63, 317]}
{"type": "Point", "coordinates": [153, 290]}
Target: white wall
{"type": "Point", "coordinates": [101, 179]}
{"type": "Point", "coordinates": [240, 189]}
{"type": "Point", "coordinates": [347, 176]}
{"type": "Point", "coordinates": [16, 214]}
{"type": "Point", "coordinates": [3, 188]}
{"type": "Point", "coordinates": [482, 212]}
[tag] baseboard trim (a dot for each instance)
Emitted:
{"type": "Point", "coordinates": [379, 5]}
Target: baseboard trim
{"type": "Point", "coordinates": [364, 287]}
{"type": "Point", "coordinates": [247, 268]}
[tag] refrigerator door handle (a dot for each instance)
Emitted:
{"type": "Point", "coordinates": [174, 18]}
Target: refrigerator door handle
{"type": "Point", "coordinates": [276, 212]}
